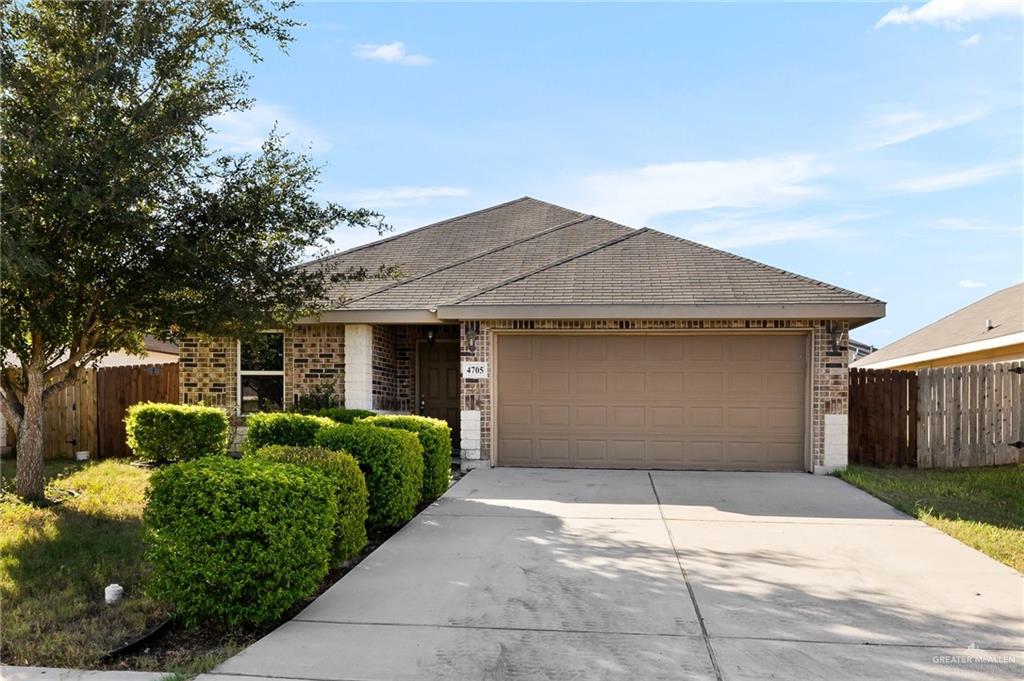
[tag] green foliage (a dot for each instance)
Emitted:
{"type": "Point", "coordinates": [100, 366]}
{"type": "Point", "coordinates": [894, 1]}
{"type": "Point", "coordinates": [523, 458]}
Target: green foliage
{"type": "Point", "coordinates": [342, 415]}
{"type": "Point", "coordinates": [322, 396]}
{"type": "Point", "coordinates": [349, 485]}
{"type": "Point", "coordinates": [391, 460]}
{"type": "Point", "coordinates": [436, 437]}
{"type": "Point", "coordinates": [119, 217]}
{"type": "Point", "coordinates": [281, 428]}
{"type": "Point", "coordinates": [237, 541]}
{"type": "Point", "coordinates": [176, 432]}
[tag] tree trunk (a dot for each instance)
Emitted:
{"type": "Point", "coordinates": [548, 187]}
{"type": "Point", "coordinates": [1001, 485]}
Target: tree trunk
{"type": "Point", "coordinates": [29, 476]}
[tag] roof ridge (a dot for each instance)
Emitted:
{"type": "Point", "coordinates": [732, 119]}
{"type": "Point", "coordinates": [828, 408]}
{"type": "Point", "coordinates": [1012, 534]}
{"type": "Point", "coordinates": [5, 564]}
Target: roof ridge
{"type": "Point", "coordinates": [561, 261]}
{"type": "Point", "coordinates": [766, 266]}
{"type": "Point", "coordinates": [481, 254]}
{"type": "Point", "coordinates": [420, 229]}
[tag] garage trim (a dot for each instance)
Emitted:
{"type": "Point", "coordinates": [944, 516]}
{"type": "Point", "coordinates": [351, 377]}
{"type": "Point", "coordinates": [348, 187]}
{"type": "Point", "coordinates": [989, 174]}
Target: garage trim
{"type": "Point", "coordinates": [805, 331]}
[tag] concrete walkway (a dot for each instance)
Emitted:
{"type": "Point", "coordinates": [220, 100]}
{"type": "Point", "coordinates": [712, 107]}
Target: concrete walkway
{"type": "Point", "coordinates": [557, 574]}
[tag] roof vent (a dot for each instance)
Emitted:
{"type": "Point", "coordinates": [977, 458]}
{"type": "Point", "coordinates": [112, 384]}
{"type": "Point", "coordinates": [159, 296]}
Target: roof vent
{"type": "Point", "coordinates": [989, 325]}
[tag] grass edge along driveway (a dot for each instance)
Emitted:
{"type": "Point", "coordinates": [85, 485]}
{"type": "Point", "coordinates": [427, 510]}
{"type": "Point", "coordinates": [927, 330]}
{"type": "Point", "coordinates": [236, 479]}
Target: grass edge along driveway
{"type": "Point", "coordinates": [981, 507]}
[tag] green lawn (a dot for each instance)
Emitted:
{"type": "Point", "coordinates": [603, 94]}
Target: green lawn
{"type": "Point", "coordinates": [982, 507]}
{"type": "Point", "coordinates": [56, 560]}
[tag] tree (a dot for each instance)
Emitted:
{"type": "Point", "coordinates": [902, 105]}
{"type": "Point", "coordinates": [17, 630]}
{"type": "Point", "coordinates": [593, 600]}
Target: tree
{"type": "Point", "coordinates": [117, 216]}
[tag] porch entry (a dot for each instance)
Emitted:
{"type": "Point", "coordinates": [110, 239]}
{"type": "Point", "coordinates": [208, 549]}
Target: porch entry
{"type": "Point", "coordinates": [437, 383]}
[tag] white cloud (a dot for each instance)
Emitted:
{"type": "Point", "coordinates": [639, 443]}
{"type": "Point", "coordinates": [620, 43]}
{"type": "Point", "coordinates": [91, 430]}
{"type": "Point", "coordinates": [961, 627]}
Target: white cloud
{"type": "Point", "coordinates": [245, 131]}
{"type": "Point", "coordinates": [391, 53]}
{"type": "Point", "coordinates": [954, 180]}
{"type": "Point", "coordinates": [971, 41]}
{"type": "Point", "coordinates": [967, 225]}
{"type": "Point", "coordinates": [749, 231]}
{"type": "Point", "coordinates": [391, 197]}
{"type": "Point", "coordinates": [952, 14]}
{"type": "Point", "coordinates": [970, 283]}
{"type": "Point", "coordinates": [896, 127]}
{"type": "Point", "coordinates": [635, 195]}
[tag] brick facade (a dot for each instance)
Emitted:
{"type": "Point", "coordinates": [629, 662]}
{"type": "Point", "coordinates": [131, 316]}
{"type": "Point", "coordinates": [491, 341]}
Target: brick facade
{"type": "Point", "coordinates": [829, 372]}
{"type": "Point", "coordinates": [208, 371]}
{"type": "Point", "coordinates": [314, 356]}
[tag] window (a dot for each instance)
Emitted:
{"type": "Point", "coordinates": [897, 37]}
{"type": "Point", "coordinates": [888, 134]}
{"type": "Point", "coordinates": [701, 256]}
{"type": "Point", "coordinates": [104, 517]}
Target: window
{"type": "Point", "coordinates": [261, 373]}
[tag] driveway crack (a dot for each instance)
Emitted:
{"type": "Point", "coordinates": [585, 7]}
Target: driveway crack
{"type": "Point", "coordinates": [689, 587]}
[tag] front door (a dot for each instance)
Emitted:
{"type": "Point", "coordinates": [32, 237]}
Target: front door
{"type": "Point", "coordinates": [438, 383]}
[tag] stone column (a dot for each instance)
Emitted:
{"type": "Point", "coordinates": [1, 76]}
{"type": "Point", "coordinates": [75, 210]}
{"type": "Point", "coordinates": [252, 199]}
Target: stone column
{"type": "Point", "coordinates": [359, 366]}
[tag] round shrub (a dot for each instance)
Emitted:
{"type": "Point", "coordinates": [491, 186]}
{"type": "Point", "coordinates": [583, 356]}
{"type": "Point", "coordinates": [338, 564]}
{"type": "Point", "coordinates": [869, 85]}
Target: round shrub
{"type": "Point", "coordinates": [391, 460]}
{"type": "Point", "coordinates": [237, 541]}
{"type": "Point", "coordinates": [342, 415]}
{"type": "Point", "coordinates": [176, 432]}
{"type": "Point", "coordinates": [349, 486]}
{"type": "Point", "coordinates": [281, 428]}
{"type": "Point", "coordinates": [436, 437]}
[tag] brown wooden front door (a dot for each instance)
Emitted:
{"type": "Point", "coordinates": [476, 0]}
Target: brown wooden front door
{"type": "Point", "coordinates": [438, 383]}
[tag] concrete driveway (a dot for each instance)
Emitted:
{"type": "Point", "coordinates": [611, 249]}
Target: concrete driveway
{"type": "Point", "coordinates": [559, 574]}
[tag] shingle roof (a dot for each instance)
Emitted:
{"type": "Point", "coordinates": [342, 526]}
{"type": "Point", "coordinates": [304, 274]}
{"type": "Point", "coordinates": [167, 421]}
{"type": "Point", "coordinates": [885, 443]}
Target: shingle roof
{"type": "Point", "coordinates": [451, 282]}
{"type": "Point", "coordinates": [650, 267]}
{"type": "Point", "coordinates": [529, 252]}
{"type": "Point", "coordinates": [1005, 309]}
{"type": "Point", "coordinates": [442, 243]}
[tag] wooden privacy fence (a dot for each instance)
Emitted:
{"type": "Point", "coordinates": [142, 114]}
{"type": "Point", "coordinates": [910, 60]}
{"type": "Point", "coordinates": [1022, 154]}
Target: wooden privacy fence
{"type": "Point", "coordinates": [883, 417]}
{"type": "Point", "coordinates": [971, 415]}
{"type": "Point", "coordinates": [118, 388]}
{"type": "Point", "coordinates": [947, 417]}
{"type": "Point", "coordinates": [90, 415]}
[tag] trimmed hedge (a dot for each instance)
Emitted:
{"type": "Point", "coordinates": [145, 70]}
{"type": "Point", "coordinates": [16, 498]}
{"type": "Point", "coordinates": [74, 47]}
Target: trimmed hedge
{"type": "Point", "coordinates": [281, 428]}
{"type": "Point", "coordinates": [176, 432]}
{"type": "Point", "coordinates": [436, 437]}
{"type": "Point", "coordinates": [342, 415]}
{"type": "Point", "coordinates": [391, 460]}
{"type": "Point", "coordinates": [349, 486]}
{"type": "Point", "coordinates": [237, 541]}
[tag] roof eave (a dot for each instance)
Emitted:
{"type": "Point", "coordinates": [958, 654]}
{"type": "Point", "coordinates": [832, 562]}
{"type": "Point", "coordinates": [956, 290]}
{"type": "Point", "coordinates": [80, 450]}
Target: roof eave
{"type": "Point", "coordinates": [872, 362]}
{"type": "Point", "coordinates": [856, 312]}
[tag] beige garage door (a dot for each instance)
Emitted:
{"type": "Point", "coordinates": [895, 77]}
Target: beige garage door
{"type": "Point", "coordinates": [711, 401]}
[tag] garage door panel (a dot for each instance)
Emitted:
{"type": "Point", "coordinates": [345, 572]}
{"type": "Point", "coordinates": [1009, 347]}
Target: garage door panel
{"type": "Point", "coordinates": [592, 416]}
{"type": "Point", "coordinates": [591, 382]}
{"type": "Point", "coordinates": [553, 415]}
{"type": "Point", "coordinates": [553, 451]}
{"type": "Point", "coordinates": [665, 453]}
{"type": "Point", "coordinates": [700, 383]}
{"type": "Point", "coordinates": [592, 452]}
{"type": "Point", "coordinates": [516, 451]}
{"type": "Point", "coordinates": [511, 415]}
{"type": "Point", "coordinates": [666, 417]}
{"type": "Point", "coordinates": [659, 401]}
{"type": "Point", "coordinates": [668, 384]}
{"type": "Point", "coordinates": [633, 382]}
{"type": "Point", "coordinates": [746, 417]}
{"type": "Point", "coordinates": [628, 417]}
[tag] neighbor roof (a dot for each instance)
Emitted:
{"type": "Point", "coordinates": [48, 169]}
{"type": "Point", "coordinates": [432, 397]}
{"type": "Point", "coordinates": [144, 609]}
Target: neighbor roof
{"type": "Point", "coordinates": [530, 259]}
{"type": "Point", "coordinates": [965, 330]}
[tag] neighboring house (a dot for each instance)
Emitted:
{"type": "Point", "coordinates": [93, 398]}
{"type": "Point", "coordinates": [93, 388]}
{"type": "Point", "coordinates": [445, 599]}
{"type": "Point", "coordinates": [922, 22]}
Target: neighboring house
{"type": "Point", "coordinates": [990, 330]}
{"type": "Point", "coordinates": [859, 350]}
{"type": "Point", "coordinates": [547, 337]}
{"type": "Point", "coordinates": [156, 352]}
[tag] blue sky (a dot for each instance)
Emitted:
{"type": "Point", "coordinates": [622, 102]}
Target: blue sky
{"type": "Point", "coordinates": [873, 146]}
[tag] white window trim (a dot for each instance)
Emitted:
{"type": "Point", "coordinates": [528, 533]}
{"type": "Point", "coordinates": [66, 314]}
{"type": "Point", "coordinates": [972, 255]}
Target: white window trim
{"type": "Point", "coordinates": [253, 372]}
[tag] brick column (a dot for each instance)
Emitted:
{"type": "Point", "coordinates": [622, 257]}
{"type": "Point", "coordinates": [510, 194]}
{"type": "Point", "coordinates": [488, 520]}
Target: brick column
{"type": "Point", "coordinates": [359, 366]}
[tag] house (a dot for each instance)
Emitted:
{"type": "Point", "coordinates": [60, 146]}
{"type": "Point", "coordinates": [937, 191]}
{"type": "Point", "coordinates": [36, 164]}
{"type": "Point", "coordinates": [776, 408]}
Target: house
{"type": "Point", "coordinates": [547, 337]}
{"type": "Point", "coordinates": [858, 349]}
{"type": "Point", "coordinates": [989, 330]}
